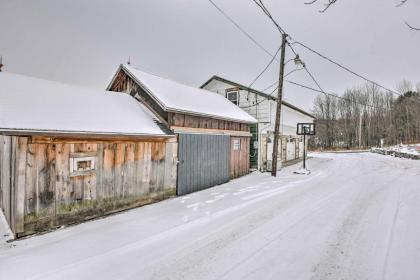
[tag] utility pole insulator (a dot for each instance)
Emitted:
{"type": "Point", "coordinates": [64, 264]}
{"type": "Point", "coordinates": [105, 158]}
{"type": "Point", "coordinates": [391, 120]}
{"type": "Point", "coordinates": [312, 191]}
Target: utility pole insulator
{"type": "Point", "coordinates": [278, 111]}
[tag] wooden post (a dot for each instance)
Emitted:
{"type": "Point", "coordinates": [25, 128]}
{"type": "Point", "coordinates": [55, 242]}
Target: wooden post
{"type": "Point", "coordinates": [304, 151]}
{"type": "Point", "coordinates": [278, 111]}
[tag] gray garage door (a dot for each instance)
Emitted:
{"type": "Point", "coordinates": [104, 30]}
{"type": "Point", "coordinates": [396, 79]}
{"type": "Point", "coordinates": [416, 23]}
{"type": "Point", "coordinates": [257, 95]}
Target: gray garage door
{"type": "Point", "coordinates": [203, 161]}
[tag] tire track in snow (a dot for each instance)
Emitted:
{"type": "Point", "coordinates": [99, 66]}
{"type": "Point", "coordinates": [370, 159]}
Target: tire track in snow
{"type": "Point", "coordinates": [336, 263]}
{"type": "Point", "coordinates": [133, 246]}
{"type": "Point", "coordinates": [231, 233]}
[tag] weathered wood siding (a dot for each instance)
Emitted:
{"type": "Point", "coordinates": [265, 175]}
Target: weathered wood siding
{"type": "Point", "coordinates": [125, 83]}
{"type": "Point", "coordinates": [6, 169]}
{"type": "Point", "coordinates": [126, 174]}
{"type": "Point", "coordinates": [239, 156]}
{"type": "Point", "coordinates": [185, 120]}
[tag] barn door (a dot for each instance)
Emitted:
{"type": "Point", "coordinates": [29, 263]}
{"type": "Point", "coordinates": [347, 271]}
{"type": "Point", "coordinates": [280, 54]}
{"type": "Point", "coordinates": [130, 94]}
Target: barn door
{"type": "Point", "coordinates": [203, 161]}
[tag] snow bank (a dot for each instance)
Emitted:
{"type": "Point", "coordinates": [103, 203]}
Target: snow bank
{"type": "Point", "coordinates": [405, 151]}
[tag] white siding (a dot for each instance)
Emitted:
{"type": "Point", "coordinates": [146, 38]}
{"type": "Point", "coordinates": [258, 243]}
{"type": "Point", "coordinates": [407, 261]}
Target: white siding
{"type": "Point", "coordinates": [263, 110]}
{"type": "Point", "coordinates": [255, 105]}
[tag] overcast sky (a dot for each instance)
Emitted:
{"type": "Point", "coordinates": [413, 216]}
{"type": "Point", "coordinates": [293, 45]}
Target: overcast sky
{"type": "Point", "coordinates": [82, 42]}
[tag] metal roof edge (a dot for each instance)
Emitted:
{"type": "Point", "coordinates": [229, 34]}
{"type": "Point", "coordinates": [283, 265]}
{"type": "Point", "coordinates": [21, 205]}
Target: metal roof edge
{"type": "Point", "coordinates": [17, 131]}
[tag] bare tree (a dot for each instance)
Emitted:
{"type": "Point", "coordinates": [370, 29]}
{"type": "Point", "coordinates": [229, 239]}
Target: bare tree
{"type": "Point", "coordinates": [326, 5]}
{"type": "Point", "coordinates": [365, 115]}
{"type": "Point", "coordinates": [329, 3]}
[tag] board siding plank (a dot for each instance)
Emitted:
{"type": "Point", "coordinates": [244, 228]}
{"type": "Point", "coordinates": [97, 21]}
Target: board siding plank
{"type": "Point", "coordinates": [6, 177]}
{"type": "Point", "coordinates": [20, 182]}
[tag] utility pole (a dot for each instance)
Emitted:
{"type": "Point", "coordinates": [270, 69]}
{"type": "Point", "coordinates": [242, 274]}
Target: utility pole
{"type": "Point", "coordinates": [360, 129]}
{"type": "Point", "coordinates": [278, 111]}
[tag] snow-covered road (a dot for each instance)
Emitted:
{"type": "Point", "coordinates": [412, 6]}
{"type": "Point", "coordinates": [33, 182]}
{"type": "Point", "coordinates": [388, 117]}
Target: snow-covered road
{"type": "Point", "coordinates": [357, 216]}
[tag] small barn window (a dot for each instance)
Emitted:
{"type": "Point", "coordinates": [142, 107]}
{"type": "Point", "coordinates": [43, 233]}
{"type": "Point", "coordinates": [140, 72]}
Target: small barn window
{"type": "Point", "coordinates": [233, 96]}
{"type": "Point", "coordinates": [236, 144]}
{"type": "Point", "coordinates": [81, 165]}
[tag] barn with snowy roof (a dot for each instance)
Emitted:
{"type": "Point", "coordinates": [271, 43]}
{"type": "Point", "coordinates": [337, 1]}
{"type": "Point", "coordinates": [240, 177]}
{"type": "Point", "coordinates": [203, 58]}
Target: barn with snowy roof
{"type": "Point", "coordinates": [213, 134]}
{"type": "Point", "coordinates": [68, 154]}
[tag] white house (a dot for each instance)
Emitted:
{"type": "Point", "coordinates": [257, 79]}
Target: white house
{"type": "Point", "coordinates": [262, 106]}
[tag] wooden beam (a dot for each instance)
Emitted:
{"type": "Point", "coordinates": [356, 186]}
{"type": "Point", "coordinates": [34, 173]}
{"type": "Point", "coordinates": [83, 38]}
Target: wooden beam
{"type": "Point", "coordinates": [98, 140]}
{"type": "Point", "coordinates": [178, 129]}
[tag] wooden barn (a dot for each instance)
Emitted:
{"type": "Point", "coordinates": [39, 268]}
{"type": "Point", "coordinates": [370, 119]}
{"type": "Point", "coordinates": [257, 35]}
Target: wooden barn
{"type": "Point", "coordinates": [213, 134]}
{"type": "Point", "coordinates": [68, 154]}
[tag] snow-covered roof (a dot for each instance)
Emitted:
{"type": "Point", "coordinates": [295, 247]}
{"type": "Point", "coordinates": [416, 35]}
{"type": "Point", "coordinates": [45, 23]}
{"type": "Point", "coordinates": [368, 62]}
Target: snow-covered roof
{"type": "Point", "coordinates": [176, 97]}
{"type": "Point", "coordinates": [35, 105]}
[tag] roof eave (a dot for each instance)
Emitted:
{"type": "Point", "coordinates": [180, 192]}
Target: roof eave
{"type": "Point", "coordinates": [243, 87]}
{"type": "Point", "coordinates": [87, 134]}
{"type": "Point", "coordinates": [143, 86]}
{"type": "Point", "coordinates": [174, 110]}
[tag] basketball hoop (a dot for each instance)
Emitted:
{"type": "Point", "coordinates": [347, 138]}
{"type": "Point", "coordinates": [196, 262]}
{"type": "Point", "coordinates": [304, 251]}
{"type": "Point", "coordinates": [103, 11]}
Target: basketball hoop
{"type": "Point", "coordinates": [304, 129]}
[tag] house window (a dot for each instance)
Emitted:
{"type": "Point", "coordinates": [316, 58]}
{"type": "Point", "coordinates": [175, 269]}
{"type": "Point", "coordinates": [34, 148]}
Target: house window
{"type": "Point", "coordinates": [81, 165]}
{"type": "Point", "coordinates": [236, 144]}
{"type": "Point", "coordinates": [233, 96]}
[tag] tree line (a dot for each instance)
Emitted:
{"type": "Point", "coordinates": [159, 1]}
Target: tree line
{"type": "Point", "coordinates": [365, 116]}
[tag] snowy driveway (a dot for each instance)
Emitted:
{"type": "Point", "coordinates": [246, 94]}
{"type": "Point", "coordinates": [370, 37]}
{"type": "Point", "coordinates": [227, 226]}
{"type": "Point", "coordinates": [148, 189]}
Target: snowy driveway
{"type": "Point", "coordinates": [357, 216]}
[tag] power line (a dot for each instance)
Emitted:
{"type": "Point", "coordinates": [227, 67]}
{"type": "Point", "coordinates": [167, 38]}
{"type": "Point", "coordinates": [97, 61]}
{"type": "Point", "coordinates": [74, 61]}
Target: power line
{"type": "Point", "coordinates": [265, 10]}
{"type": "Point", "coordinates": [345, 68]}
{"type": "Point", "coordinates": [335, 95]}
{"type": "Point", "coordinates": [307, 70]}
{"type": "Point", "coordinates": [270, 86]}
{"type": "Point", "coordinates": [265, 69]}
{"type": "Point", "coordinates": [316, 90]}
{"type": "Point", "coordinates": [262, 100]}
{"type": "Point", "coordinates": [241, 29]}
{"type": "Point", "coordinates": [260, 4]}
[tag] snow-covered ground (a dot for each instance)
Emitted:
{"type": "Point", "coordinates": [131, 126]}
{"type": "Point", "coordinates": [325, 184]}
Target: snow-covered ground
{"type": "Point", "coordinates": [5, 232]}
{"type": "Point", "coordinates": [356, 216]}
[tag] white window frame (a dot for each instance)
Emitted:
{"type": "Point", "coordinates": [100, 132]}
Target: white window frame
{"type": "Point", "coordinates": [233, 91]}
{"type": "Point", "coordinates": [236, 144]}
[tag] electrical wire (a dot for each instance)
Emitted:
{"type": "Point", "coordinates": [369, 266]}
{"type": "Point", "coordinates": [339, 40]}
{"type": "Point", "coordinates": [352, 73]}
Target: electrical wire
{"type": "Point", "coordinates": [335, 95]}
{"type": "Point", "coordinates": [265, 69]}
{"type": "Point", "coordinates": [260, 4]}
{"type": "Point", "coordinates": [241, 29]}
{"type": "Point", "coordinates": [344, 67]}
